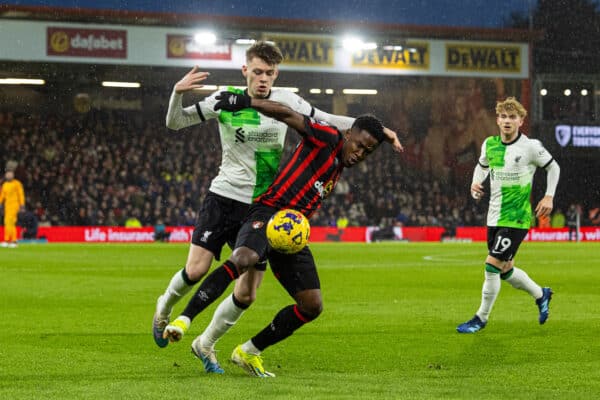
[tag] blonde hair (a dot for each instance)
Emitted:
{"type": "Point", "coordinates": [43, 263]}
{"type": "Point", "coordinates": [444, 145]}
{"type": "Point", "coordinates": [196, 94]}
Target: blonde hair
{"type": "Point", "coordinates": [511, 104]}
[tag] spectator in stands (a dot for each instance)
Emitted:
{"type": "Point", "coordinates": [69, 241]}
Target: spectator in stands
{"type": "Point", "coordinates": [29, 222]}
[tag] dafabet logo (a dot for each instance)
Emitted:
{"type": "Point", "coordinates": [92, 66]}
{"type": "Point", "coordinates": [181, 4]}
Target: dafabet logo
{"type": "Point", "coordinates": [75, 42]}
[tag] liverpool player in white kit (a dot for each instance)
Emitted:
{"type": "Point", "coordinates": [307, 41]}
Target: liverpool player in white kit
{"type": "Point", "coordinates": [510, 159]}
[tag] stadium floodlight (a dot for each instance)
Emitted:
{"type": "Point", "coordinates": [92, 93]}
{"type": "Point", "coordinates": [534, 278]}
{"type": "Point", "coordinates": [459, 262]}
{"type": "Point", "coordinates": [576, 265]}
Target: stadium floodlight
{"type": "Point", "coordinates": [315, 91]}
{"type": "Point", "coordinates": [121, 84]}
{"type": "Point", "coordinates": [352, 43]}
{"type": "Point", "coordinates": [21, 81]}
{"type": "Point", "coordinates": [205, 38]}
{"type": "Point", "coordinates": [360, 91]}
{"type": "Point", "coordinates": [567, 92]}
{"type": "Point", "coordinates": [584, 92]}
{"type": "Point", "coordinates": [544, 92]}
{"type": "Point", "coordinates": [245, 41]}
{"type": "Point", "coordinates": [328, 91]}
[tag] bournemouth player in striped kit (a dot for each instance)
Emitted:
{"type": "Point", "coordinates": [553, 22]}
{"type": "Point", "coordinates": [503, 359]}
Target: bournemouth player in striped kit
{"type": "Point", "coordinates": [303, 182]}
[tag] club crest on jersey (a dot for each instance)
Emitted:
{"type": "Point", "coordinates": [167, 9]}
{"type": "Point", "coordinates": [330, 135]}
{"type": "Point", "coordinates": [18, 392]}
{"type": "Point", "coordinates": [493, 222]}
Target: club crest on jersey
{"type": "Point", "coordinates": [257, 224]}
{"type": "Point", "coordinates": [324, 189]}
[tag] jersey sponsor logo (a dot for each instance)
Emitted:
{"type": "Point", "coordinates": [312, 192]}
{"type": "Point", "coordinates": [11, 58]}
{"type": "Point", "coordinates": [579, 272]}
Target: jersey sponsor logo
{"type": "Point", "coordinates": [239, 136]}
{"type": "Point", "coordinates": [324, 189]}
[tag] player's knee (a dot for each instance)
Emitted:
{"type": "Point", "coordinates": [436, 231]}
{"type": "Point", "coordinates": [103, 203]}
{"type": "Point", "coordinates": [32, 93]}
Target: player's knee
{"type": "Point", "coordinates": [244, 258]}
{"type": "Point", "coordinates": [196, 269]}
{"type": "Point", "coordinates": [311, 309]}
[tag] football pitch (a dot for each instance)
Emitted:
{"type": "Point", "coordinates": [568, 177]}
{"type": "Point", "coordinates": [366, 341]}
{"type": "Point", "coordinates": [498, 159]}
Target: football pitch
{"type": "Point", "coordinates": [76, 324]}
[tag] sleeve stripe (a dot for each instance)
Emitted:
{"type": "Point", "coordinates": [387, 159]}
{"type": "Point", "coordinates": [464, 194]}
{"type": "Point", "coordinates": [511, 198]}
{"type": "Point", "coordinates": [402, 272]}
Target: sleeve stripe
{"type": "Point", "coordinates": [312, 112]}
{"type": "Point", "coordinates": [483, 166]}
{"type": "Point", "coordinates": [548, 163]}
{"type": "Point", "coordinates": [199, 111]}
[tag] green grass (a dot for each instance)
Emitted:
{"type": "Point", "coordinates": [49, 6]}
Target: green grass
{"type": "Point", "coordinates": [77, 319]}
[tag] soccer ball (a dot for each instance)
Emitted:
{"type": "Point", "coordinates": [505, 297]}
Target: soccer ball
{"type": "Point", "coordinates": [288, 231]}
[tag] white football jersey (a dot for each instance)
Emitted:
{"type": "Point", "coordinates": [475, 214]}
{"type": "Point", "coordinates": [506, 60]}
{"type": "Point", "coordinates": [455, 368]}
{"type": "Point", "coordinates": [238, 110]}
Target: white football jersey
{"type": "Point", "coordinates": [252, 143]}
{"type": "Point", "coordinates": [511, 169]}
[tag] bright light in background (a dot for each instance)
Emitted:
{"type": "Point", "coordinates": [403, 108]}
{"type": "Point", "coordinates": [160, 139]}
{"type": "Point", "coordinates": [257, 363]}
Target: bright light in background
{"type": "Point", "coordinates": [205, 38]}
{"type": "Point", "coordinates": [397, 48]}
{"type": "Point", "coordinates": [245, 41]}
{"type": "Point", "coordinates": [315, 91]}
{"type": "Point", "coordinates": [121, 84]}
{"type": "Point", "coordinates": [360, 91]}
{"type": "Point", "coordinates": [584, 92]}
{"type": "Point", "coordinates": [544, 92]}
{"type": "Point", "coordinates": [567, 92]}
{"type": "Point", "coordinates": [328, 91]}
{"type": "Point", "coordinates": [353, 43]}
{"type": "Point", "coordinates": [21, 81]}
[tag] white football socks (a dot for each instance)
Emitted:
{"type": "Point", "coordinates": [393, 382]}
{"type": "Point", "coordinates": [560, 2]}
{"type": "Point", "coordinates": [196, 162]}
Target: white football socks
{"type": "Point", "coordinates": [176, 290]}
{"type": "Point", "coordinates": [489, 292]}
{"type": "Point", "coordinates": [250, 348]}
{"type": "Point", "coordinates": [225, 316]}
{"type": "Point", "coordinates": [520, 280]}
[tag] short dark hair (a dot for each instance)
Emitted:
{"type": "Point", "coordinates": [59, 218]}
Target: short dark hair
{"type": "Point", "coordinates": [266, 51]}
{"type": "Point", "coordinates": [371, 124]}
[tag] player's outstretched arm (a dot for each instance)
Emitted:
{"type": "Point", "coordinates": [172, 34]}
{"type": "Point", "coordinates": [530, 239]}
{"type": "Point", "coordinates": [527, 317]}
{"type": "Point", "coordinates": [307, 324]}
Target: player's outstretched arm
{"type": "Point", "coordinates": [230, 101]}
{"type": "Point", "coordinates": [192, 80]}
{"type": "Point", "coordinates": [177, 116]}
{"type": "Point", "coordinates": [343, 123]}
{"type": "Point", "coordinates": [392, 138]}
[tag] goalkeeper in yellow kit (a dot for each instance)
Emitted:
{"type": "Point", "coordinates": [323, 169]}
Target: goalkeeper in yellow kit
{"type": "Point", "coordinates": [12, 197]}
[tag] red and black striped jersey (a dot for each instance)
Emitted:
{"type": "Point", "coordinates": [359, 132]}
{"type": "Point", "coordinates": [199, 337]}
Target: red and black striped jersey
{"type": "Point", "coordinates": [312, 171]}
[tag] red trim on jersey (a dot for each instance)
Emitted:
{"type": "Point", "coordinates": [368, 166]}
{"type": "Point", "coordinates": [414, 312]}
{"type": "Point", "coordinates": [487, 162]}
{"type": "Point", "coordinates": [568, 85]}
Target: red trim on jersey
{"type": "Point", "coordinates": [326, 128]}
{"type": "Point", "coordinates": [291, 179]}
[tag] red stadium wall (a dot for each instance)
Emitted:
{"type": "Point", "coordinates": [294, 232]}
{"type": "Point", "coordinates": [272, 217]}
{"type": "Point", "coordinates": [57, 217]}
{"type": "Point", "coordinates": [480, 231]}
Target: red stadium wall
{"type": "Point", "coordinates": [110, 234]}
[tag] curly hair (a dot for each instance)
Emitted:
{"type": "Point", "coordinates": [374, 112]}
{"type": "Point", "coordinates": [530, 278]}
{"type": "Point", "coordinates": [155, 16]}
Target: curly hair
{"type": "Point", "coordinates": [511, 104]}
{"type": "Point", "coordinates": [371, 124]}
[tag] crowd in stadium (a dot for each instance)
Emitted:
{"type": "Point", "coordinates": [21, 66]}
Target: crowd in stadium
{"type": "Point", "coordinates": [123, 168]}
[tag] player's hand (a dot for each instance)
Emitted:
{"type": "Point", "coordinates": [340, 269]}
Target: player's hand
{"type": "Point", "coordinates": [477, 191]}
{"type": "Point", "coordinates": [192, 80]}
{"type": "Point", "coordinates": [392, 138]}
{"type": "Point", "coordinates": [544, 207]}
{"type": "Point", "coordinates": [230, 101]}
